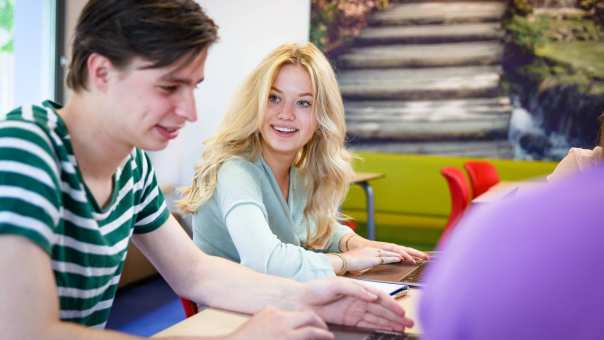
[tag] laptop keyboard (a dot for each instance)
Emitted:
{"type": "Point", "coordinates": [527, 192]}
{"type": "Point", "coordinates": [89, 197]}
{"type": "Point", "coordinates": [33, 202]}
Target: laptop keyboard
{"type": "Point", "coordinates": [415, 275]}
{"type": "Point", "coordinates": [377, 335]}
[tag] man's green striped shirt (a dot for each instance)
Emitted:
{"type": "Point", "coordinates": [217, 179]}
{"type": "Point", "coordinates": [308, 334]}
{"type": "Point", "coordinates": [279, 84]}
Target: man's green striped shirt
{"type": "Point", "coordinates": [43, 198]}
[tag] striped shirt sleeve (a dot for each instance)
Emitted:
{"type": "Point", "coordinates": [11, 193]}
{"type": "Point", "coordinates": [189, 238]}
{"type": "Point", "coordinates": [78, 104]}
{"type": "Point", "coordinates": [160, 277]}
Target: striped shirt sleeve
{"type": "Point", "coordinates": [152, 210]}
{"type": "Point", "coordinates": [30, 191]}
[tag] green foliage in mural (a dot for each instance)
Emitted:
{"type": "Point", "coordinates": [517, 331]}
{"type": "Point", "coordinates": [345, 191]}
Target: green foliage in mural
{"type": "Point", "coordinates": [533, 32]}
{"type": "Point", "coordinates": [568, 48]}
{"type": "Point", "coordinates": [323, 14]}
{"type": "Point", "coordinates": [522, 7]}
{"type": "Point", "coordinates": [554, 64]}
{"type": "Point", "coordinates": [6, 25]}
{"type": "Point", "coordinates": [333, 22]}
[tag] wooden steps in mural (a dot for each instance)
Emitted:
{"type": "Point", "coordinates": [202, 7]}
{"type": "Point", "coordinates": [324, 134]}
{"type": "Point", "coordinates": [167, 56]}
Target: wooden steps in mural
{"type": "Point", "coordinates": [427, 13]}
{"type": "Point", "coordinates": [443, 1]}
{"type": "Point", "coordinates": [432, 55]}
{"type": "Point", "coordinates": [420, 83]}
{"type": "Point", "coordinates": [428, 120]}
{"type": "Point", "coordinates": [429, 33]}
{"type": "Point", "coordinates": [424, 77]}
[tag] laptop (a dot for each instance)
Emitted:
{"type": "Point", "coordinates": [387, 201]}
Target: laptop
{"type": "Point", "coordinates": [356, 333]}
{"type": "Point", "coordinates": [409, 274]}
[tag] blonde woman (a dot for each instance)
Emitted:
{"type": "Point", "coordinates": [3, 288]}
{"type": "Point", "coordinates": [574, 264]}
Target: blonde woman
{"type": "Point", "coordinates": [267, 191]}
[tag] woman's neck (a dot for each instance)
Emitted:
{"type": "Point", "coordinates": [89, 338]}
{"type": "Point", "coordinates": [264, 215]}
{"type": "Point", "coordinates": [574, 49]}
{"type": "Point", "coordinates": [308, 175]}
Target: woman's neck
{"type": "Point", "coordinates": [280, 166]}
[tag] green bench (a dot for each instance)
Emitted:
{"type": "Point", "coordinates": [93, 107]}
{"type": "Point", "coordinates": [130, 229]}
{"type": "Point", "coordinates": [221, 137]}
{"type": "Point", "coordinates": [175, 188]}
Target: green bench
{"type": "Point", "coordinates": [412, 200]}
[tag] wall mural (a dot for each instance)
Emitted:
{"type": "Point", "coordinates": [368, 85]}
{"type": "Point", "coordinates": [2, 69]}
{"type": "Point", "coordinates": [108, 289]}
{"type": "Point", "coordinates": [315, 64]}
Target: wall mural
{"type": "Point", "coordinates": [521, 79]}
{"type": "Point", "coordinates": [6, 25]}
{"type": "Point", "coordinates": [6, 54]}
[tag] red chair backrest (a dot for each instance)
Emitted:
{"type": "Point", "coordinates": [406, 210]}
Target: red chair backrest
{"type": "Point", "coordinates": [351, 224]}
{"type": "Point", "coordinates": [483, 175]}
{"type": "Point", "coordinates": [189, 306]}
{"type": "Point", "coordinates": [459, 190]}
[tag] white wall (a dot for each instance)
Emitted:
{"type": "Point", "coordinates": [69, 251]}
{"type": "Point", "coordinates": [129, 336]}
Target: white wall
{"type": "Point", "coordinates": [249, 30]}
{"type": "Point", "coordinates": [32, 67]}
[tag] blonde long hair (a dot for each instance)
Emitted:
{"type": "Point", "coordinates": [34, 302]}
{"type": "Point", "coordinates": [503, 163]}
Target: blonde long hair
{"type": "Point", "coordinates": [323, 163]}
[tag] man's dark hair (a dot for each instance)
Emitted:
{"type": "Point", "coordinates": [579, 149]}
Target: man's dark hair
{"type": "Point", "coordinates": [160, 31]}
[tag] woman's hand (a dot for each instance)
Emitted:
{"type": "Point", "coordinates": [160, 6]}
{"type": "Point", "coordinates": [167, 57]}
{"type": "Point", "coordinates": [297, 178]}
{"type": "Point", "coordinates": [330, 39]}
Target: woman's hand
{"type": "Point", "coordinates": [272, 323]}
{"type": "Point", "coordinates": [406, 254]}
{"type": "Point", "coordinates": [364, 258]}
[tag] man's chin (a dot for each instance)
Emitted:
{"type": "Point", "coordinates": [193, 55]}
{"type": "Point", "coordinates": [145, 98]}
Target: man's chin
{"type": "Point", "coordinates": [154, 147]}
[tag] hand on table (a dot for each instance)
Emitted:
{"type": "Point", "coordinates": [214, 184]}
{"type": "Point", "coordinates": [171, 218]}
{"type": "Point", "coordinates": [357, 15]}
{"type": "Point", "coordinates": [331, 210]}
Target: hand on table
{"type": "Point", "coordinates": [407, 254]}
{"type": "Point", "coordinates": [346, 302]}
{"type": "Point", "coordinates": [272, 323]}
{"type": "Point", "coordinates": [367, 257]}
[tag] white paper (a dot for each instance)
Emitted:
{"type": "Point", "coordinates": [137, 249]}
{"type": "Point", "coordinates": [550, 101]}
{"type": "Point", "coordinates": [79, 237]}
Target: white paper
{"type": "Point", "coordinates": [386, 287]}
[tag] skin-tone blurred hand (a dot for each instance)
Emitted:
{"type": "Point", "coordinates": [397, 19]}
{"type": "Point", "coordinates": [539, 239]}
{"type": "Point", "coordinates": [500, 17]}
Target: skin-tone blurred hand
{"type": "Point", "coordinates": [346, 302]}
{"type": "Point", "coordinates": [367, 257]}
{"type": "Point", "coordinates": [272, 323]}
{"type": "Point", "coordinates": [407, 254]}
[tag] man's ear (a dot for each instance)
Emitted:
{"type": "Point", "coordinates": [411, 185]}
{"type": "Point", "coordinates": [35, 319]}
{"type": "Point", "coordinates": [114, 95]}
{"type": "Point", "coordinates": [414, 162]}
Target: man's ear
{"type": "Point", "coordinates": [99, 69]}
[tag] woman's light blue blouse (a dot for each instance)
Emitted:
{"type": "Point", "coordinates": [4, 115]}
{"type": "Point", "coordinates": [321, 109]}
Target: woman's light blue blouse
{"type": "Point", "coordinates": [248, 221]}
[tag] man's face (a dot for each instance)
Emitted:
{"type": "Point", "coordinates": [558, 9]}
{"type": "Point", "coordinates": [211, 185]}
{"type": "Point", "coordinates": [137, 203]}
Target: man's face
{"type": "Point", "coordinates": [150, 106]}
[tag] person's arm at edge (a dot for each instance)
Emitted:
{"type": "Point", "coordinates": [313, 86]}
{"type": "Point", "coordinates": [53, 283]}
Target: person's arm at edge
{"type": "Point", "coordinates": [30, 307]}
{"type": "Point", "coordinates": [567, 166]}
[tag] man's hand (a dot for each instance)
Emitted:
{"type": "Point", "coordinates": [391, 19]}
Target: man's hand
{"type": "Point", "coordinates": [276, 324]}
{"type": "Point", "coordinates": [343, 301]}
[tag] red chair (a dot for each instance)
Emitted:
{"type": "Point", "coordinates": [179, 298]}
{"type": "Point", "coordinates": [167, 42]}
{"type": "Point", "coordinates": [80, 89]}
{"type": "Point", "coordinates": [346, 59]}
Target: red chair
{"type": "Point", "coordinates": [460, 195]}
{"type": "Point", "coordinates": [483, 175]}
{"type": "Point", "coordinates": [189, 306]}
{"type": "Point", "coordinates": [352, 224]}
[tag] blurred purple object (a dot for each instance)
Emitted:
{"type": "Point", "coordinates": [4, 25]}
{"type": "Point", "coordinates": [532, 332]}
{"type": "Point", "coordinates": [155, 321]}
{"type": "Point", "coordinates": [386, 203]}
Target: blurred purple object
{"type": "Point", "coordinates": [528, 267]}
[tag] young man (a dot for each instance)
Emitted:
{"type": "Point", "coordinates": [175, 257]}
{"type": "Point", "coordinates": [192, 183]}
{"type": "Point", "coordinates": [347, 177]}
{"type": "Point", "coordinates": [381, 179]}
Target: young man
{"type": "Point", "coordinates": [75, 187]}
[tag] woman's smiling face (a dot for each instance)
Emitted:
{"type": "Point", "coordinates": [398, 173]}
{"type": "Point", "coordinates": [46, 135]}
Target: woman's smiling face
{"type": "Point", "coordinates": [289, 121]}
